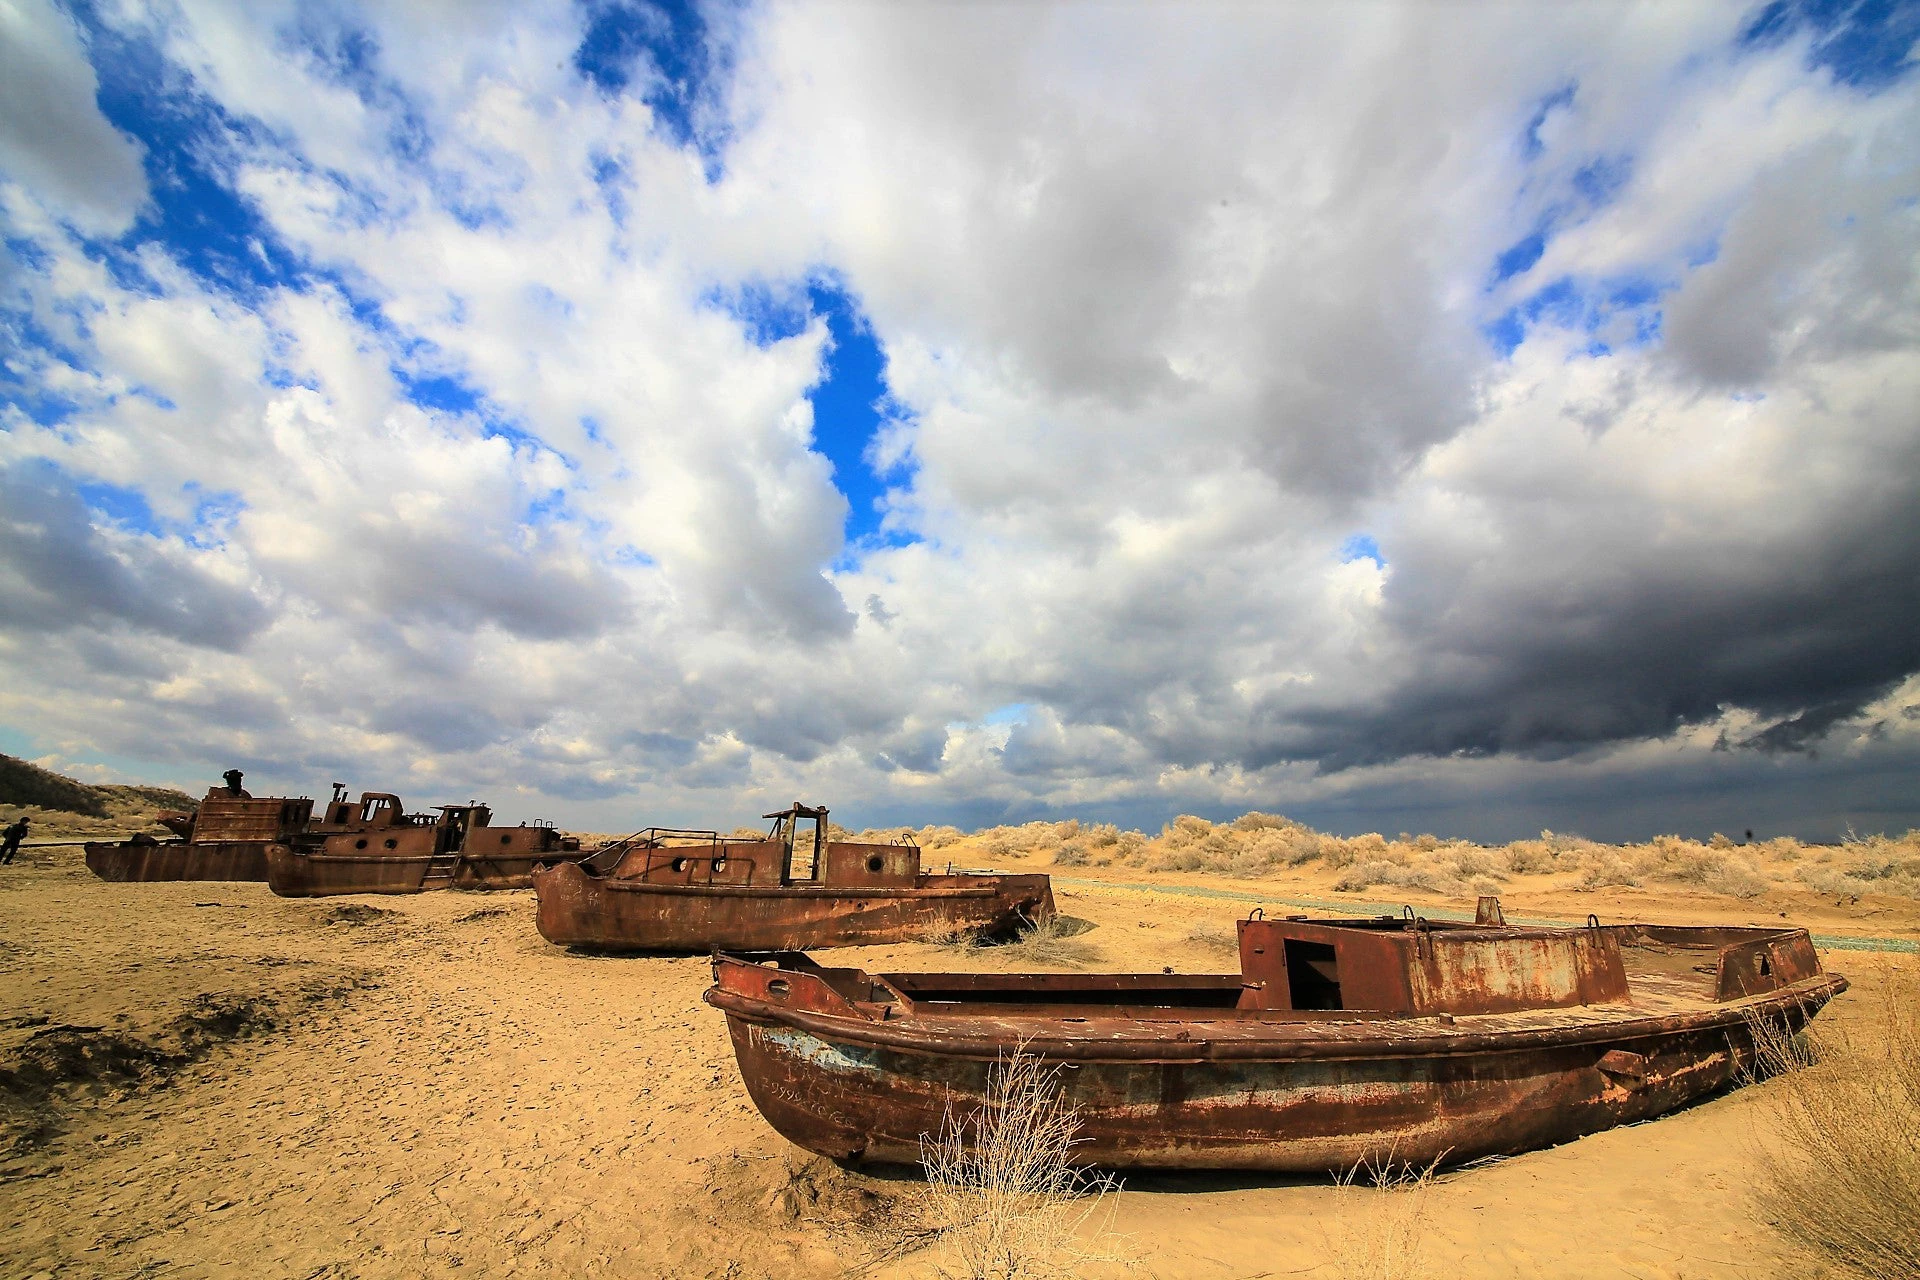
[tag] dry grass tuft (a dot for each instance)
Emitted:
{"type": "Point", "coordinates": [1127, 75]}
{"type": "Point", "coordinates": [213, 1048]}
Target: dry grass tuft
{"type": "Point", "coordinates": [1002, 1187]}
{"type": "Point", "coordinates": [945, 933]}
{"type": "Point", "coordinates": [1382, 1220]}
{"type": "Point", "coordinates": [1839, 1144]}
{"type": "Point", "coordinates": [1054, 941]}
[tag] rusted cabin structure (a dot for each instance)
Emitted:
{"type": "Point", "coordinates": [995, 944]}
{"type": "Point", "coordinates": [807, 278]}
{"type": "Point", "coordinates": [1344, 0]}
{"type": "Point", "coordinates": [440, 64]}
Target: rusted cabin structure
{"type": "Point", "coordinates": [224, 838]}
{"type": "Point", "coordinates": [679, 890]}
{"type": "Point", "coordinates": [1339, 1041]}
{"type": "Point", "coordinates": [379, 847]}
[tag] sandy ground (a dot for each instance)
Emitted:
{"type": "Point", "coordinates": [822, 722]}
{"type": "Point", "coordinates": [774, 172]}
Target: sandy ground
{"type": "Point", "coordinates": [204, 1080]}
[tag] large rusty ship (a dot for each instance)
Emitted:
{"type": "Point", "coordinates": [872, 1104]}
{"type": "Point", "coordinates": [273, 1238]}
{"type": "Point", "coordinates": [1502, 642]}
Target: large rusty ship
{"type": "Point", "coordinates": [225, 837]}
{"type": "Point", "coordinates": [667, 890]}
{"type": "Point", "coordinates": [383, 848]}
{"type": "Point", "coordinates": [1338, 1042]}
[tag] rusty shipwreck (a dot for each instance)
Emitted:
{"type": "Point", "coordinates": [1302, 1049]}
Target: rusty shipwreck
{"type": "Point", "coordinates": [678, 891]}
{"type": "Point", "coordinates": [225, 837]}
{"type": "Point", "coordinates": [381, 848]}
{"type": "Point", "coordinates": [1338, 1042]}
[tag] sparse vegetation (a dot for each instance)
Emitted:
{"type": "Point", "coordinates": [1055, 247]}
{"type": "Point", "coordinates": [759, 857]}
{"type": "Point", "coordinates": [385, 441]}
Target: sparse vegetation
{"type": "Point", "coordinates": [1382, 1220]}
{"type": "Point", "coordinates": [1263, 845]}
{"type": "Point", "coordinates": [58, 806]}
{"type": "Point", "coordinates": [1002, 1188]}
{"type": "Point", "coordinates": [1839, 1139]}
{"type": "Point", "coordinates": [1052, 942]}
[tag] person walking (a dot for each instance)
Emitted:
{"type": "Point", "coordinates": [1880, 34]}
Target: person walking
{"type": "Point", "coordinates": [10, 841]}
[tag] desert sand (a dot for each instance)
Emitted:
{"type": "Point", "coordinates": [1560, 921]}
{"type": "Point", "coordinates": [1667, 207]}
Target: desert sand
{"type": "Point", "coordinates": [203, 1080]}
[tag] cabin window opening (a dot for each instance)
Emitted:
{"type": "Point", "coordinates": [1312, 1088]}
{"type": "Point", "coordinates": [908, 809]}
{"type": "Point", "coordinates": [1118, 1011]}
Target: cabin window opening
{"type": "Point", "coordinates": [360, 843]}
{"type": "Point", "coordinates": [506, 839]}
{"type": "Point", "coordinates": [719, 866]}
{"type": "Point", "coordinates": [679, 864]}
{"type": "Point", "coordinates": [1766, 969]}
{"type": "Point", "coordinates": [876, 864]}
{"type": "Point", "coordinates": [392, 844]}
{"type": "Point", "coordinates": [1313, 975]}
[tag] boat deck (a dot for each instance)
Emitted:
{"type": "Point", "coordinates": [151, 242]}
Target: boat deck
{"type": "Point", "coordinates": [1665, 983]}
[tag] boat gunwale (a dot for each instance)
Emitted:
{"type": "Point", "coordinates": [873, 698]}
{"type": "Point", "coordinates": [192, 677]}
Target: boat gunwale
{"type": "Point", "coordinates": [991, 885]}
{"type": "Point", "coordinates": [1093, 1045]}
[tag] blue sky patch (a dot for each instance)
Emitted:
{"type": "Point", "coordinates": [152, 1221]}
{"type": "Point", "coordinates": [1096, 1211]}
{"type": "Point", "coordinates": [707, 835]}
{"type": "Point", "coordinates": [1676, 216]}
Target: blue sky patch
{"type": "Point", "coordinates": [123, 506]}
{"type": "Point", "coordinates": [666, 46]}
{"type": "Point", "coordinates": [1520, 257]}
{"type": "Point", "coordinates": [1585, 307]}
{"type": "Point", "coordinates": [437, 391]}
{"type": "Point", "coordinates": [769, 313]}
{"type": "Point", "coordinates": [848, 406]}
{"type": "Point", "coordinates": [1863, 43]}
{"type": "Point", "coordinates": [208, 228]}
{"type": "Point", "coordinates": [1361, 546]}
{"type": "Point", "coordinates": [1530, 144]}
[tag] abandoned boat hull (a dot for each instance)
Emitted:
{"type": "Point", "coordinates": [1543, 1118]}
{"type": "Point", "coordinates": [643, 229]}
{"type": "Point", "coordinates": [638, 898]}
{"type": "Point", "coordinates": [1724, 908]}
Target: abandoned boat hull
{"type": "Point", "coordinates": [1338, 1042]}
{"type": "Point", "coordinates": [141, 861]}
{"type": "Point", "coordinates": [294, 874]}
{"type": "Point", "coordinates": [1444, 1098]}
{"type": "Point", "coordinates": [580, 909]}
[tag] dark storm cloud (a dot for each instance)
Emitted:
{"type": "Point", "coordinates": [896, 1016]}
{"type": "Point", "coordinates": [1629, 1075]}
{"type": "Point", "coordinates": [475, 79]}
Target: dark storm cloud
{"type": "Point", "coordinates": [57, 570]}
{"type": "Point", "coordinates": [439, 723]}
{"type": "Point", "coordinates": [1810, 633]}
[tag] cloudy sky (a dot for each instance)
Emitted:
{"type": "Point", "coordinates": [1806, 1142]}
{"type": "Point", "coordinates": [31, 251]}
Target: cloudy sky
{"type": "Point", "coordinates": [1441, 417]}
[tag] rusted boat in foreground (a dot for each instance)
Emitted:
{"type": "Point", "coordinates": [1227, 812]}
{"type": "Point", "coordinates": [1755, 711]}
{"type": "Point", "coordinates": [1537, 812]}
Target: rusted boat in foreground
{"type": "Point", "coordinates": [385, 849]}
{"type": "Point", "coordinates": [674, 890]}
{"type": "Point", "coordinates": [1338, 1042]}
{"type": "Point", "coordinates": [224, 838]}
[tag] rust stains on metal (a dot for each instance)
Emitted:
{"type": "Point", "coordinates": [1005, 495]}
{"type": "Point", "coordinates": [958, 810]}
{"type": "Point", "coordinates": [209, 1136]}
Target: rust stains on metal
{"type": "Point", "coordinates": [224, 838]}
{"type": "Point", "coordinates": [374, 845]}
{"type": "Point", "coordinates": [682, 890]}
{"type": "Point", "coordinates": [369, 845]}
{"type": "Point", "coordinates": [1339, 1041]}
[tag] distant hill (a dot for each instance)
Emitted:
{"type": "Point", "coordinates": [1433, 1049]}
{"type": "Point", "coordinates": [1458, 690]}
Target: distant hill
{"type": "Point", "coordinates": [26, 785]}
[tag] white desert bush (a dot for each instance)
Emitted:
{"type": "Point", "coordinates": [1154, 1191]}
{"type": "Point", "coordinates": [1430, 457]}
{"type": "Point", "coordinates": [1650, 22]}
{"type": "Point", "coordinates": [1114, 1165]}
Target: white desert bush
{"type": "Point", "coordinates": [1838, 1138]}
{"type": "Point", "coordinates": [1003, 1190]}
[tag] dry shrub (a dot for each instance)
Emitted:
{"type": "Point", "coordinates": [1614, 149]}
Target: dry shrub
{"type": "Point", "coordinates": [1870, 872]}
{"type": "Point", "coordinates": [1712, 866]}
{"type": "Point", "coordinates": [1607, 868]}
{"type": "Point", "coordinates": [1002, 1187]}
{"type": "Point", "coordinates": [1071, 854]}
{"type": "Point", "coordinates": [1257, 845]}
{"type": "Point", "coordinates": [946, 933]}
{"type": "Point", "coordinates": [1382, 1220]}
{"type": "Point", "coordinates": [1364, 875]}
{"type": "Point", "coordinates": [1840, 1136]}
{"type": "Point", "coordinates": [1053, 941]}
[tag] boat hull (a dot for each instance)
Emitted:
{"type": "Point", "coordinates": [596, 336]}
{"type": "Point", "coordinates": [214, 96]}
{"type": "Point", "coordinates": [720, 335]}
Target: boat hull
{"type": "Point", "coordinates": [132, 861]}
{"type": "Point", "coordinates": [291, 874]}
{"type": "Point", "coordinates": [1299, 1106]}
{"type": "Point", "coordinates": [579, 909]}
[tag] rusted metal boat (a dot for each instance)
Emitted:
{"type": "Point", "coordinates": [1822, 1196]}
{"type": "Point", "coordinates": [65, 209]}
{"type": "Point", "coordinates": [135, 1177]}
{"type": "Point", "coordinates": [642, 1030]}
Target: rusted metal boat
{"type": "Point", "coordinates": [1337, 1042]}
{"type": "Point", "coordinates": [384, 849]}
{"type": "Point", "coordinates": [673, 890]}
{"type": "Point", "coordinates": [224, 838]}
